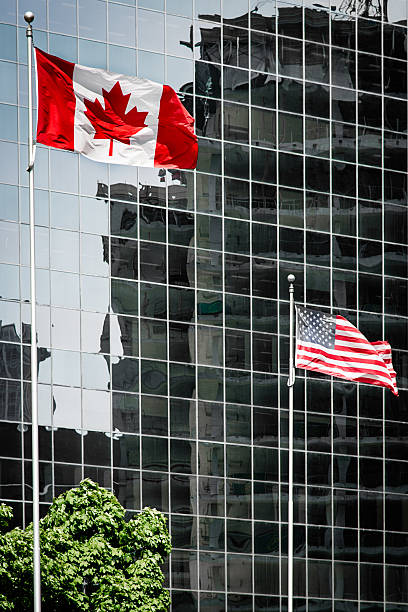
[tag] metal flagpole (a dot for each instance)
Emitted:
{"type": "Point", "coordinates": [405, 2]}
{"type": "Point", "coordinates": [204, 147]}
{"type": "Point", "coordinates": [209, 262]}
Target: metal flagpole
{"type": "Point", "coordinates": [29, 18]}
{"type": "Point", "coordinates": [291, 382]}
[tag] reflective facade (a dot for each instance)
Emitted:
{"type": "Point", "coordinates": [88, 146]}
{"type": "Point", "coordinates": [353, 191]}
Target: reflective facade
{"type": "Point", "coordinates": [163, 304]}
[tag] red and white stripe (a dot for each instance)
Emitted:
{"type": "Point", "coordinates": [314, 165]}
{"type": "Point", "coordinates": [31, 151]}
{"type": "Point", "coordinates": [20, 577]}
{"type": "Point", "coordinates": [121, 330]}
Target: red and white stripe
{"type": "Point", "coordinates": [353, 357]}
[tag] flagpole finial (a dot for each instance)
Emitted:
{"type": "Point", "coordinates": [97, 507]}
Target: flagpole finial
{"type": "Point", "coordinates": [291, 278]}
{"type": "Point", "coordinates": [29, 16]}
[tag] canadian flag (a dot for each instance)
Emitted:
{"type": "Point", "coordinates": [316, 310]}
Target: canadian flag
{"type": "Point", "coordinates": [112, 118]}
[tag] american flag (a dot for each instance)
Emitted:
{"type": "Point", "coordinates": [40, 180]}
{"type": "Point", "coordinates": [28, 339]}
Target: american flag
{"type": "Point", "coordinates": [332, 345]}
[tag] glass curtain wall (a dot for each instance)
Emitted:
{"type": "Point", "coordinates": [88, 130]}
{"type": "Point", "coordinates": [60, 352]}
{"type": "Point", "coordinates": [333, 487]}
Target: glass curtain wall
{"type": "Point", "coordinates": [163, 303]}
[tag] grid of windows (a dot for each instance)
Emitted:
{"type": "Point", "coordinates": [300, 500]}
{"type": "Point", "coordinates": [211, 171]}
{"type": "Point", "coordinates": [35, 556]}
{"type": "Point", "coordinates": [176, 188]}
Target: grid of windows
{"type": "Point", "coordinates": [163, 305]}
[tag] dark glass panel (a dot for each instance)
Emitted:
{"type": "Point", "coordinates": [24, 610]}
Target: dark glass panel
{"type": "Point", "coordinates": [126, 452]}
{"type": "Point", "coordinates": [371, 546]}
{"type": "Point", "coordinates": [371, 510]}
{"type": "Point", "coordinates": [343, 31]}
{"type": "Point", "coordinates": [291, 170]}
{"type": "Point", "coordinates": [209, 158]}
{"type": "Point", "coordinates": [395, 114]}
{"type": "Point", "coordinates": [155, 490]}
{"type": "Point", "coordinates": [291, 244]}
{"type": "Point", "coordinates": [181, 266]}
{"type": "Point", "coordinates": [264, 349]}
{"type": "Point", "coordinates": [181, 227]}
{"type": "Point", "coordinates": [153, 301]}
{"type": "Point", "coordinates": [209, 307]}
{"type": "Point", "coordinates": [153, 262]}
{"type": "Point", "coordinates": [319, 542]}
{"type": "Point", "coordinates": [263, 86]}
{"type": "Point", "coordinates": [123, 219]}
{"type": "Point", "coordinates": [124, 258]}
{"type": "Point", "coordinates": [210, 459]}
{"type": "Point", "coordinates": [344, 179]}
{"type": "Point", "coordinates": [290, 54]}
{"type": "Point", "coordinates": [265, 427]}
{"type": "Point", "coordinates": [370, 219]}
{"type": "Point", "coordinates": [183, 531]}
{"type": "Point", "coordinates": [263, 203]}
{"type": "Point", "coordinates": [181, 342]}
{"type": "Point", "coordinates": [152, 223]}
{"type": "Point", "coordinates": [208, 113]}
{"type": "Point", "coordinates": [369, 36]}
{"type": "Point", "coordinates": [208, 232]}
{"type": "Point", "coordinates": [208, 193]}
{"type": "Point", "coordinates": [236, 160]}
{"type": "Point", "coordinates": [236, 84]}
{"type": "Point", "coordinates": [317, 101]}
{"type": "Point", "coordinates": [316, 25]}
{"type": "Point", "coordinates": [236, 122]}
{"type": "Point", "coordinates": [344, 252]}
{"type": "Point", "coordinates": [182, 418]}
{"type": "Point", "coordinates": [317, 136]}
{"type": "Point", "coordinates": [210, 421]}
{"type": "Point", "coordinates": [183, 494]}
{"type": "Point", "coordinates": [290, 95]}
{"type": "Point", "coordinates": [317, 248]}
{"type": "Point", "coordinates": [209, 270]}
{"type": "Point", "coordinates": [395, 223]}
{"type": "Point", "coordinates": [212, 572]}
{"type": "Point", "coordinates": [344, 105]}
{"type": "Point", "coordinates": [211, 496]}
{"type": "Point", "coordinates": [154, 377]}
{"type": "Point", "coordinates": [397, 586]}
{"type": "Point", "coordinates": [208, 78]}
{"type": "Point", "coordinates": [371, 582]}
{"type": "Point", "coordinates": [153, 337]}
{"type": "Point", "coordinates": [344, 215]}
{"type": "Point", "coordinates": [265, 464]}
{"type": "Point", "coordinates": [211, 534]}
{"type": "Point", "coordinates": [395, 81]}
{"type": "Point", "coordinates": [344, 435]}
{"type": "Point", "coordinates": [237, 311]}
{"type": "Point", "coordinates": [263, 165]}
{"type": "Point", "coordinates": [345, 512]}
{"type": "Point", "coordinates": [290, 132]}
{"type": "Point", "coordinates": [264, 278]}
{"type": "Point", "coordinates": [236, 274]}
{"type": "Point", "coordinates": [267, 578]}
{"type": "Point", "coordinates": [181, 304]}
{"type": "Point", "coordinates": [236, 237]}
{"type": "Point", "coordinates": [263, 128]}
{"type": "Point", "coordinates": [317, 174]}
{"type": "Point", "coordinates": [237, 349]}
{"type": "Point", "coordinates": [317, 63]}
{"type": "Point", "coordinates": [396, 297]}
{"type": "Point", "coordinates": [395, 187]}
{"type": "Point", "coordinates": [154, 415]}
{"type": "Point", "coordinates": [345, 544]}
{"type": "Point", "coordinates": [235, 45]}
{"type": "Point", "coordinates": [370, 183]}
{"type": "Point", "coordinates": [318, 469]}
{"type": "Point", "coordinates": [238, 499]}
{"type": "Point", "coordinates": [182, 456]}
{"type": "Point", "coordinates": [238, 424]}
{"type": "Point", "coordinates": [239, 571]}
{"type": "Point", "coordinates": [97, 448]}
{"type": "Point", "coordinates": [371, 476]}
{"type": "Point", "coordinates": [344, 142]}
{"type": "Point", "coordinates": [236, 194]}
{"type": "Point", "coordinates": [67, 445]}
{"type": "Point", "coordinates": [184, 570]}
{"type": "Point", "coordinates": [369, 110]}
{"type": "Point", "coordinates": [129, 335]}
{"type": "Point", "coordinates": [125, 374]}
{"type": "Point", "coordinates": [370, 256]}
{"type": "Point", "coordinates": [395, 148]}
{"type": "Point", "coordinates": [154, 454]}
{"type": "Point", "coordinates": [238, 462]}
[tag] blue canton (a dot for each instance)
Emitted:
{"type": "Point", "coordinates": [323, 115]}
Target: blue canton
{"type": "Point", "coordinates": [316, 327]}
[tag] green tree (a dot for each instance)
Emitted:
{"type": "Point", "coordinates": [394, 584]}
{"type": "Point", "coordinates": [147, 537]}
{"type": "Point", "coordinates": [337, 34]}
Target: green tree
{"type": "Point", "coordinates": [91, 558]}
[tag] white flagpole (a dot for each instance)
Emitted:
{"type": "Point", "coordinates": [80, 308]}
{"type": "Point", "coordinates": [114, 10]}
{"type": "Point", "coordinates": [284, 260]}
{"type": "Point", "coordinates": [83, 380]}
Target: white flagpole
{"type": "Point", "coordinates": [29, 18]}
{"type": "Point", "coordinates": [291, 382]}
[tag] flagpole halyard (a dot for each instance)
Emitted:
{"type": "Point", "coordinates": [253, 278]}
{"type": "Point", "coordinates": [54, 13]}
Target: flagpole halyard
{"type": "Point", "coordinates": [29, 18]}
{"type": "Point", "coordinates": [291, 382]}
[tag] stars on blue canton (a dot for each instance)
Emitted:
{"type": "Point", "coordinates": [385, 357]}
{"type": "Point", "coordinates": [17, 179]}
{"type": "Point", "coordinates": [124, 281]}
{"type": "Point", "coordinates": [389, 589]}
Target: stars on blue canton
{"type": "Point", "coordinates": [316, 327]}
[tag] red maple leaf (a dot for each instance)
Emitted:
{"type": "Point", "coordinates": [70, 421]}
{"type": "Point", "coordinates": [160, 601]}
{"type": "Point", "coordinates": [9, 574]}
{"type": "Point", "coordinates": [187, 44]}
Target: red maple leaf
{"type": "Point", "coordinates": [112, 122]}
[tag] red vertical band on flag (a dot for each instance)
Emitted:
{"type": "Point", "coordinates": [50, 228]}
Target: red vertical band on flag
{"type": "Point", "coordinates": [176, 145]}
{"type": "Point", "coordinates": [56, 101]}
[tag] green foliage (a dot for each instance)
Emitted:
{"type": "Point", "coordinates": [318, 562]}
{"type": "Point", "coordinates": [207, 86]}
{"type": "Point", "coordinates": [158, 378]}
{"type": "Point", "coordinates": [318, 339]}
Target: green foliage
{"type": "Point", "coordinates": [91, 558]}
